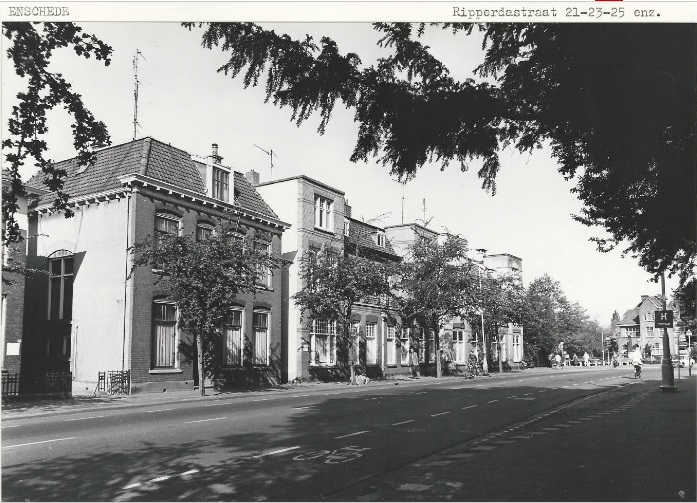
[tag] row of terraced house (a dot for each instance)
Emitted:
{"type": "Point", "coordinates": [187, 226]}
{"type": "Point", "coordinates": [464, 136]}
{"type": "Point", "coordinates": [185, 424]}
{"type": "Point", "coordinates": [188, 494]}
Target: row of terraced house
{"type": "Point", "coordinates": [86, 316]}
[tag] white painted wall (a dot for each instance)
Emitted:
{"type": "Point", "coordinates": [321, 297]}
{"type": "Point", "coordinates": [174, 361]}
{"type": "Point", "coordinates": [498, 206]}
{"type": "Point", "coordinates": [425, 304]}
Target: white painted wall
{"type": "Point", "coordinates": [98, 230]}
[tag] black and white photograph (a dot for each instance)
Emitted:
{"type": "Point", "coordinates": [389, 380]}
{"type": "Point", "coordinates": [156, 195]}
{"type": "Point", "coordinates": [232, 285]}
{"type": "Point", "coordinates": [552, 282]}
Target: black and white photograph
{"type": "Point", "coordinates": [349, 251]}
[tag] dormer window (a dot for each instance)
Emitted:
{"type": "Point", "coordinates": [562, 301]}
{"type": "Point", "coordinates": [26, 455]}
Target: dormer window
{"type": "Point", "coordinates": [380, 238]}
{"type": "Point", "coordinates": [221, 185]}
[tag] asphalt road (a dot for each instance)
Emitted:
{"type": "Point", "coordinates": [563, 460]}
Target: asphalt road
{"type": "Point", "coordinates": [323, 445]}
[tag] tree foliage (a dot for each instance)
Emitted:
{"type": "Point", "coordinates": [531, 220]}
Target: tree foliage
{"type": "Point", "coordinates": [204, 279]}
{"type": "Point", "coordinates": [685, 296]}
{"type": "Point", "coordinates": [434, 283]}
{"type": "Point", "coordinates": [31, 47]}
{"type": "Point", "coordinates": [622, 128]}
{"type": "Point", "coordinates": [544, 301]}
{"type": "Point", "coordinates": [501, 299]}
{"type": "Point", "coordinates": [333, 283]}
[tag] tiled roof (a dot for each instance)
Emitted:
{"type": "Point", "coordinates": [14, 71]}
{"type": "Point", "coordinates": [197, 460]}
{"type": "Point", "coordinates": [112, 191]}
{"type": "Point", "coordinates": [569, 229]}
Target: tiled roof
{"type": "Point", "coordinates": [151, 158]}
{"type": "Point", "coordinates": [360, 235]}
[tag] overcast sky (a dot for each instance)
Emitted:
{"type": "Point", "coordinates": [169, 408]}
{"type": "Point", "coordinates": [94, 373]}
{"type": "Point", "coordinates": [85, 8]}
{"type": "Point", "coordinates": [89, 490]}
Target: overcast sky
{"type": "Point", "coordinates": [183, 101]}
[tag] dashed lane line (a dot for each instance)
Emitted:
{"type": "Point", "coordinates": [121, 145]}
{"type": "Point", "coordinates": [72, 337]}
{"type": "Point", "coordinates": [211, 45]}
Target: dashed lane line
{"type": "Point", "coordinates": [492, 401]}
{"type": "Point", "coordinates": [279, 451]}
{"type": "Point", "coordinates": [484, 448]}
{"type": "Point", "coordinates": [470, 406]}
{"type": "Point", "coordinates": [39, 442]}
{"type": "Point", "coordinates": [12, 426]}
{"type": "Point", "coordinates": [82, 418]}
{"type": "Point", "coordinates": [439, 414]}
{"type": "Point", "coordinates": [403, 422]}
{"type": "Point", "coordinates": [525, 398]}
{"type": "Point", "coordinates": [160, 479]}
{"type": "Point", "coordinates": [205, 420]}
{"type": "Point", "coordinates": [352, 434]}
{"type": "Point", "coordinates": [157, 410]}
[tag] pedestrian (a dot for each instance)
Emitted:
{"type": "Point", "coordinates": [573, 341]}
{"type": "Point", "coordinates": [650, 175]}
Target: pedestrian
{"type": "Point", "coordinates": [575, 359]}
{"type": "Point", "coordinates": [413, 362]}
{"type": "Point", "coordinates": [586, 358]}
{"type": "Point", "coordinates": [557, 358]}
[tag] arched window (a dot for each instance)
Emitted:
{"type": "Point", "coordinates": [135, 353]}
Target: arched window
{"type": "Point", "coordinates": [60, 285]}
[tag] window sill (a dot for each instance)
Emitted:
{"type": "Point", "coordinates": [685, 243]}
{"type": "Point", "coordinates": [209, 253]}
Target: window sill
{"type": "Point", "coordinates": [324, 231]}
{"type": "Point", "coordinates": [323, 365]}
{"type": "Point", "coordinates": [165, 371]}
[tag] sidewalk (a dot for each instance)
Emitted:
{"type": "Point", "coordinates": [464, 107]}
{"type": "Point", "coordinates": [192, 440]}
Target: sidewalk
{"type": "Point", "coordinates": [36, 406]}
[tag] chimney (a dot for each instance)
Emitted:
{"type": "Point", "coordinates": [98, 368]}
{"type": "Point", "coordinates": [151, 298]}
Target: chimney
{"type": "Point", "coordinates": [644, 297]}
{"type": "Point", "coordinates": [252, 177]}
{"type": "Point", "coordinates": [215, 156]}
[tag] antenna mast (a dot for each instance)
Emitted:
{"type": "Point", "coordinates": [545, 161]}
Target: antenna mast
{"type": "Point", "coordinates": [270, 153]}
{"type": "Point", "coordinates": [135, 92]}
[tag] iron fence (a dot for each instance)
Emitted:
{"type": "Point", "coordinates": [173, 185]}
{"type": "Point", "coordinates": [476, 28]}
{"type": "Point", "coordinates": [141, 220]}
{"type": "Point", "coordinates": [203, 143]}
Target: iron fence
{"type": "Point", "coordinates": [10, 384]}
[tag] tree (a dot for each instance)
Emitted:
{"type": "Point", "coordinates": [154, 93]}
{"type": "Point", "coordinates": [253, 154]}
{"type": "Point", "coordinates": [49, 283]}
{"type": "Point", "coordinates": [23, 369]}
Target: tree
{"type": "Point", "coordinates": [544, 300]}
{"type": "Point", "coordinates": [332, 284]}
{"type": "Point", "coordinates": [31, 48]}
{"type": "Point", "coordinates": [624, 129]}
{"type": "Point", "coordinates": [434, 283]}
{"type": "Point", "coordinates": [204, 279]}
{"type": "Point", "coordinates": [685, 296]}
{"type": "Point", "coordinates": [502, 303]}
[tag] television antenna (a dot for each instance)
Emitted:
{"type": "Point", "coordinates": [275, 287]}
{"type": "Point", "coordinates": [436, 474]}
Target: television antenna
{"type": "Point", "coordinates": [403, 183]}
{"type": "Point", "coordinates": [136, 124]}
{"type": "Point", "coordinates": [270, 153]}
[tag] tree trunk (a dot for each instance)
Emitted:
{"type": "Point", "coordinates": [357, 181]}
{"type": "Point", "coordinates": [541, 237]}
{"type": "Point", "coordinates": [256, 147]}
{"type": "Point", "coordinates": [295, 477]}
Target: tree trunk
{"type": "Point", "coordinates": [201, 375]}
{"type": "Point", "coordinates": [353, 373]}
{"type": "Point", "coordinates": [436, 341]}
{"type": "Point", "coordinates": [498, 338]}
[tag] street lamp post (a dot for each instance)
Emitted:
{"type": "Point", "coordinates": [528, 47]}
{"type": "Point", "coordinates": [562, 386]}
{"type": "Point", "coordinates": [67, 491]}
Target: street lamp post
{"type": "Point", "coordinates": [485, 364]}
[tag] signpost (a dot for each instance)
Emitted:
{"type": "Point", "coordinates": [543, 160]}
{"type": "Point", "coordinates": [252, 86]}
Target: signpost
{"type": "Point", "coordinates": [664, 318]}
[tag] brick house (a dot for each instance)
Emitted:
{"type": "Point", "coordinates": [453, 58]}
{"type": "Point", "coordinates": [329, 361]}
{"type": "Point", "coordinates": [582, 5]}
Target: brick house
{"type": "Point", "coordinates": [637, 328]}
{"type": "Point", "coordinates": [89, 316]}
{"type": "Point", "coordinates": [321, 218]}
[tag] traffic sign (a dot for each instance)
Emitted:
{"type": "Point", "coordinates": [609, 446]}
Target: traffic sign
{"type": "Point", "coordinates": [663, 319]}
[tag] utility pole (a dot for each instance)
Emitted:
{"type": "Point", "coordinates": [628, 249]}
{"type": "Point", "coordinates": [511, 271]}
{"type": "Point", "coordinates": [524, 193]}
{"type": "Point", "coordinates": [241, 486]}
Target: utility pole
{"type": "Point", "coordinates": [270, 153]}
{"type": "Point", "coordinates": [667, 375]}
{"type": "Point", "coordinates": [135, 92]}
{"type": "Point", "coordinates": [485, 364]}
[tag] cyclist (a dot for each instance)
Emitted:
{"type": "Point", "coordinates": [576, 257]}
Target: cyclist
{"type": "Point", "coordinates": [636, 361]}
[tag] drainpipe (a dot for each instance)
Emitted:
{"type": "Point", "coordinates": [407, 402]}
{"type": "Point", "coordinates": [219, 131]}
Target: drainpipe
{"type": "Point", "coordinates": [125, 280]}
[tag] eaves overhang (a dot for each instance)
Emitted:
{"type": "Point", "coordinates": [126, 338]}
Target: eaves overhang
{"type": "Point", "coordinates": [158, 185]}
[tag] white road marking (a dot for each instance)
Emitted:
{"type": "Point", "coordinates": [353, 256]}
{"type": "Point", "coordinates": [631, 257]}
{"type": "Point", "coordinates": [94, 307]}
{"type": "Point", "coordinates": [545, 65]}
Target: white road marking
{"type": "Point", "coordinates": [403, 422]}
{"type": "Point", "coordinates": [204, 420]}
{"type": "Point", "coordinates": [525, 398]}
{"type": "Point", "coordinates": [13, 426]}
{"type": "Point", "coordinates": [522, 437]}
{"type": "Point", "coordinates": [469, 406]}
{"type": "Point", "coordinates": [190, 472]}
{"type": "Point", "coordinates": [520, 380]}
{"type": "Point", "coordinates": [512, 396]}
{"type": "Point", "coordinates": [304, 407]}
{"type": "Point", "coordinates": [502, 442]}
{"type": "Point", "coordinates": [160, 479]}
{"type": "Point", "coordinates": [131, 486]}
{"type": "Point", "coordinates": [158, 410]}
{"type": "Point", "coordinates": [439, 414]}
{"type": "Point", "coordinates": [420, 393]}
{"type": "Point", "coordinates": [82, 418]}
{"type": "Point", "coordinates": [484, 447]}
{"type": "Point", "coordinates": [213, 404]}
{"type": "Point", "coordinates": [542, 391]}
{"type": "Point", "coordinates": [565, 386]}
{"type": "Point", "coordinates": [492, 401]}
{"type": "Point", "coordinates": [277, 452]}
{"type": "Point", "coordinates": [352, 434]}
{"type": "Point", "coordinates": [41, 442]}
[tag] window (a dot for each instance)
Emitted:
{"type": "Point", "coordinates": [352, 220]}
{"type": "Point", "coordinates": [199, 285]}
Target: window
{"type": "Point", "coordinates": [165, 224]}
{"type": "Point", "coordinates": [517, 350]}
{"type": "Point", "coordinates": [60, 289]}
{"type": "Point", "coordinates": [371, 343]}
{"type": "Point", "coordinates": [323, 342]}
{"type": "Point", "coordinates": [164, 354]}
{"type": "Point", "coordinates": [380, 239]}
{"type": "Point", "coordinates": [203, 232]}
{"type": "Point", "coordinates": [323, 213]}
{"type": "Point", "coordinates": [391, 348]}
{"type": "Point", "coordinates": [232, 340]}
{"type": "Point", "coordinates": [261, 338]}
{"type": "Point", "coordinates": [221, 185]}
{"type": "Point", "coordinates": [264, 274]}
{"type": "Point", "coordinates": [404, 338]}
{"type": "Point", "coordinates": [459, 346]}
{"type": "Point", "coordinates": [346, 227]}
{"type": "Point", "coordinates": [649, 317]}
{"type": "Point", "coordinates": [649, 331]}
{"type": "Point", "coordinates": [355, 341]}
{"type": "Point", "coordinates": [632, 331]}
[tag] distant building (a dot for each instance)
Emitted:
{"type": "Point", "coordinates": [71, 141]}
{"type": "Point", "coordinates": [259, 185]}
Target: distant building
{"type": "Point", "coordinates": [87, 315]}
{"type": "Point", "coordinates": [637, 328]}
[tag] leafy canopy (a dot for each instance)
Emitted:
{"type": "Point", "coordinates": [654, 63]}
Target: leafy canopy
{"type": "Point", "coordinates": [621, 127]}
{"type": "Point", "coordinates": [31, 47]}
